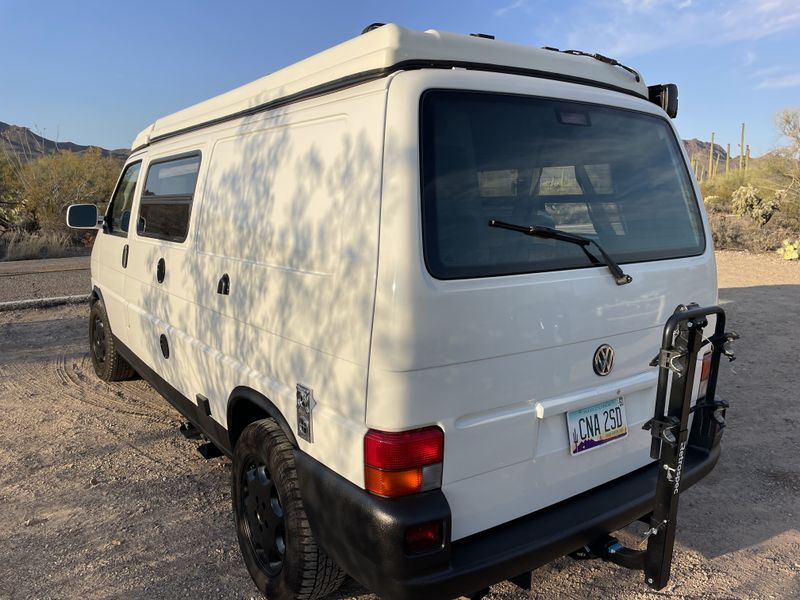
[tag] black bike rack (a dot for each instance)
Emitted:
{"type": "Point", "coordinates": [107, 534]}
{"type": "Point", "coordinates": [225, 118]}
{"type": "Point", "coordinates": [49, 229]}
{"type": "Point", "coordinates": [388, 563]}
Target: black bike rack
{"type": "Point", "coordinates": [681, 343]}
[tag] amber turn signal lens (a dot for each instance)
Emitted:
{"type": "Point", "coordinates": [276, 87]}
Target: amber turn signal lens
{"type": "Point", "coordinates": [393, 483]}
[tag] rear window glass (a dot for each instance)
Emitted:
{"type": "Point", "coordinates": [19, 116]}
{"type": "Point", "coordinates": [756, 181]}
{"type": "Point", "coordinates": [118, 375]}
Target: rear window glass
{"type": "Point", "coordinates": [614, 175]}
{"type": "Point", "coordinates": [166, 203]}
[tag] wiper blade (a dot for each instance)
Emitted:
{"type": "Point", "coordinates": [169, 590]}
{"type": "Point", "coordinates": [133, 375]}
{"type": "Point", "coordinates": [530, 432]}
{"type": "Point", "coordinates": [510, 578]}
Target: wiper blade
{"type": "Point", "coordinates": [620, 278]}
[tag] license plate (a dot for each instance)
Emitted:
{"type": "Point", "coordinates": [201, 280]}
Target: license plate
{"type": "Point", "coordinates": [596, 425]}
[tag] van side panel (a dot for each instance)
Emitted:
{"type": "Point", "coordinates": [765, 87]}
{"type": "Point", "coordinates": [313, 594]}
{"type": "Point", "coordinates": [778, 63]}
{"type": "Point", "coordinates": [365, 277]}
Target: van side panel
{"type": "Point", "coordinates": [289, 211]}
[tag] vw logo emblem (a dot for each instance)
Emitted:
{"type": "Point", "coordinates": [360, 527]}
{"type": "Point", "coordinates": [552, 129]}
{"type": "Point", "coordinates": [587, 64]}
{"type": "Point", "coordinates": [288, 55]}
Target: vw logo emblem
{"type": "Point", "coordinates": [603, 360]}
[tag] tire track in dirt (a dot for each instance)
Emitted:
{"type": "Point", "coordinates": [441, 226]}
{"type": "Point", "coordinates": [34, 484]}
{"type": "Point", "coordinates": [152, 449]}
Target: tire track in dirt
{"type": "Point", "coordinates": [69, 368]}
{"type": "Point", "coordinates": [114, 399]}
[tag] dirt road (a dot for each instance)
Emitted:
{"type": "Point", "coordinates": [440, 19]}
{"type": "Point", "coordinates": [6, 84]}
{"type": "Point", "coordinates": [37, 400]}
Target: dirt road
{"type": "Point", "coordinates": [28, 279]}
{"type": "Point", "coordinates": [100, 497]}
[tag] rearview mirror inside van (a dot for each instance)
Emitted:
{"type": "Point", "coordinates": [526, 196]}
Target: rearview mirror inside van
{"type": "Point", "coordinates": [82, 216]}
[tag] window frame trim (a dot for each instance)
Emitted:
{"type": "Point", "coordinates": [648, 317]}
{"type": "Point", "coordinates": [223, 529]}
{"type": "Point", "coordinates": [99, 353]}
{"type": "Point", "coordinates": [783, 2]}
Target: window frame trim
{"type": "Point", "coordinates": [467, 91]}
{"type": "Point", "coordinates": [108, 216]}
{"type": "Point", "coordinates": [144, 200]}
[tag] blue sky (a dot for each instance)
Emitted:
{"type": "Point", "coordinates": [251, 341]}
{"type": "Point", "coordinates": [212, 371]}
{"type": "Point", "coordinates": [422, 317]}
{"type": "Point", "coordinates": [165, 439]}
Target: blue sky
{"type": "Point", "coordinates": [99, 72]}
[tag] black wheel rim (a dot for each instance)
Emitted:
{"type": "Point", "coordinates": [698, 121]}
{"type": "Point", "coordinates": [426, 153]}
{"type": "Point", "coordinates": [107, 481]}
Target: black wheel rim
{"type": "Point", "coordinates": [99, 340]}
{"type": "Point", "coordinates": [264, 516]}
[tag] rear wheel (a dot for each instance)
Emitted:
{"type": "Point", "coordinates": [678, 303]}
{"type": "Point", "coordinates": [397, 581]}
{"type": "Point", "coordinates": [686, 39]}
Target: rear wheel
{"type": "Point", "coordinates": [277, 544]}
{"type": "Point", "coordinates": [107, 362]}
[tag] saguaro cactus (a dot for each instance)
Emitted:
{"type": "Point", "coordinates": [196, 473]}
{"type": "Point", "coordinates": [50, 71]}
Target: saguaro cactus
{"type": "Point", "coordinates": [727, 158]}
{"type": "Point", "coordinates": [741, 151]}
{"type": "Point", "coordinates": [711, 157]}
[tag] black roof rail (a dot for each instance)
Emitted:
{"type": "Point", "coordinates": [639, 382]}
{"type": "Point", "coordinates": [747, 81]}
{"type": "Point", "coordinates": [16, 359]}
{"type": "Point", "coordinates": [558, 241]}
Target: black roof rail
{"type": "Point", "coordinates": [371, 26]}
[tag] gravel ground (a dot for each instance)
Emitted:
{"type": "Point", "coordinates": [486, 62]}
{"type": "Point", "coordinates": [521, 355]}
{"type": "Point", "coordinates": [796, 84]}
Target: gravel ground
{"type": "Point", "coordinates": [27, 279]}
{"type": "Point", "coordinates": [102, 498]}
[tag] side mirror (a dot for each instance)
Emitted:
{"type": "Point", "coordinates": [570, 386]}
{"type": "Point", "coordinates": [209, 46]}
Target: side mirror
{"type": "Point", "coordinates": [666, 96]}
{"type": "Point", "coordinates": [83, 216]}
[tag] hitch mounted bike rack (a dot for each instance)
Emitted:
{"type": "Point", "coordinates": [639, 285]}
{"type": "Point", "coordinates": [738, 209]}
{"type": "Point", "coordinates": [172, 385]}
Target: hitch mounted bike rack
{"type": "Point", "coordinates": [681, 343]}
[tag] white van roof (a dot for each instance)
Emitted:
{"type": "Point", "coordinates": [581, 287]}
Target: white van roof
{"type": "Point", "coordinates": [379, 52]}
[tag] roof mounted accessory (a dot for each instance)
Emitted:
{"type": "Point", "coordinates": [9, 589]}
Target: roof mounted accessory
{"type": "Point", "coordinates": [371, 26]}
{"type": "Point", "coordinates": [605, 59]}
{"type": "Point", "coordinates": [666, 96]}
{"type": "Point", "coordinates": [485, 36]}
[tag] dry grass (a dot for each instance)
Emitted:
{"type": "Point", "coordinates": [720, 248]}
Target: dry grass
{"type": "Point", "coordinates": [23, 246]}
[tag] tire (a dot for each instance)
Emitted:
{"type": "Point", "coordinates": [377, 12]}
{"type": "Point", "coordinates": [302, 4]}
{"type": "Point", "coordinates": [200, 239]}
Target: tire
{"type": "Point", "coordinates": [275, 538]}
{"type": "Point", "coordinates": [107, 362]}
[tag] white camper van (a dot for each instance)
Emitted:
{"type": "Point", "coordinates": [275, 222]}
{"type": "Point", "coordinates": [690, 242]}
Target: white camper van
{"type": "Point", "coordinates": [412, 286]}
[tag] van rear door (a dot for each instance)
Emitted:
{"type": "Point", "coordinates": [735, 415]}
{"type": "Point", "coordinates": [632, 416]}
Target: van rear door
{"type": "Point", "coordinates": [525, 350]}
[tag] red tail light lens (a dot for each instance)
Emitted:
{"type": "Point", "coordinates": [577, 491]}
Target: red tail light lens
{"type": "Point", "coordinates": [404, 449]}
{"type": "Point", "coordinates": [705, 371]}
{"type": "Point", "coordinates": [424, 538]}
{"type": "Point", "coordinates": [402, 463]}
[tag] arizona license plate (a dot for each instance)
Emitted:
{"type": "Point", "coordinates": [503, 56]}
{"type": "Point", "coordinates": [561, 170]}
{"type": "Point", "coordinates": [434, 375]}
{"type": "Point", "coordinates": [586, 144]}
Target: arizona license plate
{"type": "Point", "coordinates": [596, 425]}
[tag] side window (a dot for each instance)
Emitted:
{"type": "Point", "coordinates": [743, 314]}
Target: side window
{"type": "Point", "coordinates": [167, 198]}
{"type": "Point", "coordinates": [118, 216]}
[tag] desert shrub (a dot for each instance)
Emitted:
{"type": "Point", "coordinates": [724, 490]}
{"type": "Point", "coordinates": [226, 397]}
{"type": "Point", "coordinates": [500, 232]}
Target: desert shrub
{"type": "Point", "coordinates": [724, 184]}
{"type": "Point", "coordinates": [734, 232]}
{"type": "Point", "coordinates": [748, 201]}
{"type": "Point", "coordinates": [53, 182]}
{"type": "Point", "coordinates": [717, 204]}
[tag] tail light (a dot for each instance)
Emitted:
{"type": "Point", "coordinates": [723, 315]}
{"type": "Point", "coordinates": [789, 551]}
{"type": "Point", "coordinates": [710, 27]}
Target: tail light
{"type": "Point", "coordinates": [705, 371]}
{"type": "Point", "coordinates": [402, 463]}
{"type": "Point", "coordinates": [424, 538]}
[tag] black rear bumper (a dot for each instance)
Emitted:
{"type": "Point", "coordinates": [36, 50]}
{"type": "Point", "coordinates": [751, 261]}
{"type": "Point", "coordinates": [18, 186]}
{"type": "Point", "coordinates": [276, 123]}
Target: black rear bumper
{"type": "Point", "coordinates": [364, 534]}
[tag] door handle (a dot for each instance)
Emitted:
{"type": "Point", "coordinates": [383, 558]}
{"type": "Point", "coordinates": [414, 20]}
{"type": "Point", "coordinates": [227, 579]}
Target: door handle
{"type": "Point", "coordinates": [161, 270]}
{"type": "Point", "coordinates": [224, 285]}
{"type": "Point", "coordinates": [125, 256]}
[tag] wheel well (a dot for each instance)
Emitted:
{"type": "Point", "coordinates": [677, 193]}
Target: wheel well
{"type": "Point", "coordinates": [95, 296]}
{"type": "Point", "coordinates": [246, 406]}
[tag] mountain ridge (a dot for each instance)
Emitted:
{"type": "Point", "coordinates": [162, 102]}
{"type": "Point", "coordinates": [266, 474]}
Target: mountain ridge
{"type": "Point", "coordinates": [27, 145]}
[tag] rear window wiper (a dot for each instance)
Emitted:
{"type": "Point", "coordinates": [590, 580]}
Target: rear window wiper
{"type": "Point", "coordinates": [620, 278]}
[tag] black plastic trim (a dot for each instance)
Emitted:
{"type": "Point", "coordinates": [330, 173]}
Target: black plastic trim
{"type": "Point", "coordinates": [373, 74]}
{"type": "Point", "coordinates": [96, 296]}
{"type": "Point", "coordinates": [237, 401]}
{"type": "Point", "coordinates": [194, 413]}
{"type": "Point", "coordinates": [363, 533]}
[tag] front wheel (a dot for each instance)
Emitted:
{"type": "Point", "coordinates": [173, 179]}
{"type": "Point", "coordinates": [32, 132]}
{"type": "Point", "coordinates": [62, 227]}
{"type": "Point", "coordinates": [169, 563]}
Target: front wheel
{"type": "Point", "coordinates": [107, 362]}
{"type": "Point", "coordinates": [277, 544]}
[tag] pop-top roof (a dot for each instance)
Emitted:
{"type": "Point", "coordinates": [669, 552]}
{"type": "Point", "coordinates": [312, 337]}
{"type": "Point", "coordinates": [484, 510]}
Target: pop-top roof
{"type": "Point", "coordinates": [379, 52]}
